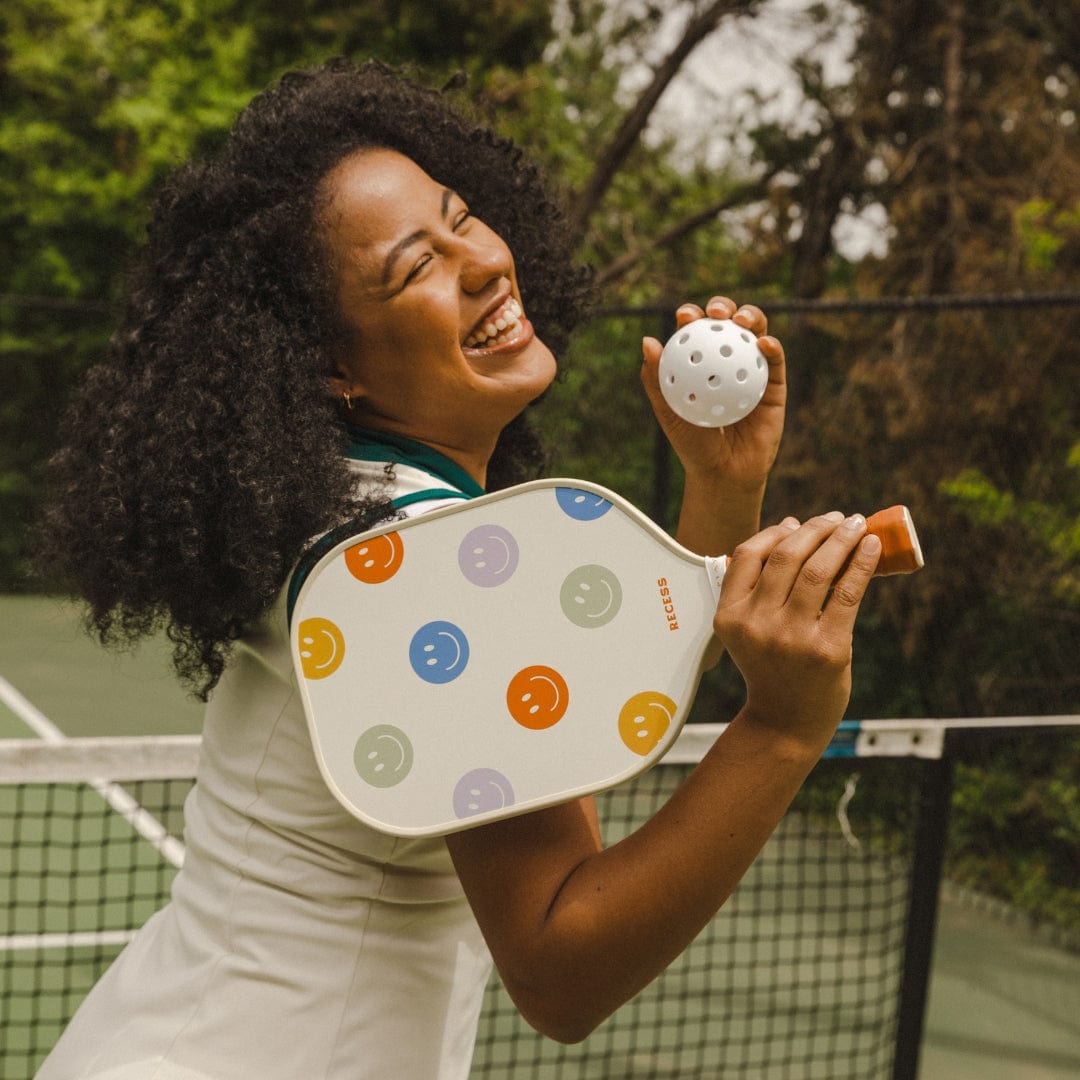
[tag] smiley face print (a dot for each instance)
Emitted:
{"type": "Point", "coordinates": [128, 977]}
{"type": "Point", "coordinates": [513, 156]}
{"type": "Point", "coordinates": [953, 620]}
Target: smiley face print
{"type": "Point", "coordinates": [439, 652]}
{"type": "Point", "coordinates": [375, 560]}
{"type": "Point", "coordinates": [383, 756]}
{"type": "Point", "coordinates": [581, 505]}
{"type": "Point", "coordinates": [644, 720]}
{"type": "Point", "coordinates": [321, 648]}
{"type": "Point", "coordinates": [591, 596]}
{"type": "Point", "coordinates": [488, 555]}
{"type": "Point", "coordinates": [481, 791]}
{"type": "Point", "coordinates": [537, 697]}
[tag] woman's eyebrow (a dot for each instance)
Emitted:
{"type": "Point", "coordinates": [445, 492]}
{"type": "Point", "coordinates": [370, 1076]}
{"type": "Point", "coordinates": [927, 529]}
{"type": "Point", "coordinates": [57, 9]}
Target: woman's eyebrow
{"type": "Point", "coordinates": [395, 252]}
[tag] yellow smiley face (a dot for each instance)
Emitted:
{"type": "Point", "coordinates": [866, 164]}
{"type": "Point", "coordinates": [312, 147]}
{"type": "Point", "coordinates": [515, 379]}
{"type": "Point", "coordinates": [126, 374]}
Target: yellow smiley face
{"type": "Point", "coordinates": [321, 646]}
{"type": "Point", "coordinates": [644, 719]}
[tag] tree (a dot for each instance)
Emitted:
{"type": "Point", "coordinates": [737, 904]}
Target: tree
{"type": "Point", "coordinates": [101, 100]}
{"type": "Point", "coordinates": [959, 122]}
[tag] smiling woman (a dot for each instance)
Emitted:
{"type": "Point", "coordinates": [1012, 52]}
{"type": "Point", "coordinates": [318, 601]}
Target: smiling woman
{"type": "Point", "coordinates": [238, 320]}
{"type": "Point", "coordinates": [340, 317]}
{"type": "Point", "coordinates": [438, 347]}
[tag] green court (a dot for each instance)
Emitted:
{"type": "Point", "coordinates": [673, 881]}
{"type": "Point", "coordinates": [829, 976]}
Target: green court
{"type": "Point", "coordinates": [81, 688]}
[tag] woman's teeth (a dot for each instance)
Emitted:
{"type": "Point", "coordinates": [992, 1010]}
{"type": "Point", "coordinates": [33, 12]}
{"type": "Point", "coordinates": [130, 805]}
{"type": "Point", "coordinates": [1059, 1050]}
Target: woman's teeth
{"type": "Point", "coordinates": [501, 327]}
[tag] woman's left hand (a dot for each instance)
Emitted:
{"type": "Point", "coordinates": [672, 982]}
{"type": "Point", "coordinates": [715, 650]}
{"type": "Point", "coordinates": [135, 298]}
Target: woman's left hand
{"type": "Point", "coordinates": [739, 455]}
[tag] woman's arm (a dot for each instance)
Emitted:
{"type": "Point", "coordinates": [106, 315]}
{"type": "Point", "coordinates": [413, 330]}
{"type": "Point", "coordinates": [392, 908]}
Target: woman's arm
{"type": "Point", "coordinates": [576, 930]}
{"type": "Point", "coordinates": [726, 468]}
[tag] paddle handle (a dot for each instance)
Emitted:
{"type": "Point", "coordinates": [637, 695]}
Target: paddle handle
{"type": "Point", "coordinates": [901, 552]}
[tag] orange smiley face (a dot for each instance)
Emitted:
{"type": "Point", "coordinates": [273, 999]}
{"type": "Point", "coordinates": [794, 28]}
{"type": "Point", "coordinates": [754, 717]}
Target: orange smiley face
{"type": "Point", "coordinates": [375, 560]}
{"type": "Point", "coordinates": [537, 697]}
{"type": "Point", "coordinates": [321, 646]}
{"type": "Point", "coordinates": [644, 719]}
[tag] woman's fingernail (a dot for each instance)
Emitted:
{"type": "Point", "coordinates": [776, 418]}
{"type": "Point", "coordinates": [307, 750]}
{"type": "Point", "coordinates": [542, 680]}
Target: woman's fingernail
{"type": "Point", "coordinates": [834, 515]}
{"type": "Point", "coordinates": [790, 523]}
{"type": "Point", "coordinates": [856, 523]}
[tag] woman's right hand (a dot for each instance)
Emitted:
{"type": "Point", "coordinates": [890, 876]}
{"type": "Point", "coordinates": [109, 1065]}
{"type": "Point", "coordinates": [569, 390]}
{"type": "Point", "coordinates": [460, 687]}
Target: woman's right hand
{"type": "Point", "coordinates": [787, 614]}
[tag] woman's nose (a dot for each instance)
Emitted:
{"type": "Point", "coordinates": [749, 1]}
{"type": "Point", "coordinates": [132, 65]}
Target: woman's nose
{"type": "Point", "coordinates": [484, 261]}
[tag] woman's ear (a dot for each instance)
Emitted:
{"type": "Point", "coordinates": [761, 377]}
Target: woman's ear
{"type": "Point", "coordinates": [344, 385]}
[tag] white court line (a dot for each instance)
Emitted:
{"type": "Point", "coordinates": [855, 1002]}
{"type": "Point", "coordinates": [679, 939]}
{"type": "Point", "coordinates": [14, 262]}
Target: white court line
{"type": "Point", "coordinates": [141, 820]}
{"type": "Point", "coordinates": [77, 940]}
{"type": "Point", "coordinates": [29, 714]}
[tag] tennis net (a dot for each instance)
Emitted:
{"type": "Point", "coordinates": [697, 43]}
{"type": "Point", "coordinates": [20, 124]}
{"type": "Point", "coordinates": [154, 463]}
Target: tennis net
{"type": "Point", "coordinates": [800, 975]}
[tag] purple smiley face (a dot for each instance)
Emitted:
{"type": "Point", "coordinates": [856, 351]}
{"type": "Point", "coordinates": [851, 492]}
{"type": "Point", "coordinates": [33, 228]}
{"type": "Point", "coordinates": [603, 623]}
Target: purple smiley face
{"type": "Point", "coordinates": [482, 791]}
{"type": "Point", "coordinates": [488, 555]}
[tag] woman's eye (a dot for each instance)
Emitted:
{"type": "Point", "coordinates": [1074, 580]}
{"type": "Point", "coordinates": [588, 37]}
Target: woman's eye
{"type": "Point", "coordinates": [417, 268]}
{"type": "Point", "coordinates": [462, 219]}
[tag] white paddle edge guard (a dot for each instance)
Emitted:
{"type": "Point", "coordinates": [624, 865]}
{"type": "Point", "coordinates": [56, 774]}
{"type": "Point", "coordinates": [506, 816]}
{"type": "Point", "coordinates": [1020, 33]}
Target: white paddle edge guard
{"type": "Point", "coordinates": [913, 536]}
{"type": "Point", "coordinates": [716, 568]}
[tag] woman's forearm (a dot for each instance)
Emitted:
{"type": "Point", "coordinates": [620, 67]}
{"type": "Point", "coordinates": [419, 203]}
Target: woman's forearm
{"type": "Point", "coordinates": [624, 913]}
{"type": "Point", "coordinates": [716, 516]}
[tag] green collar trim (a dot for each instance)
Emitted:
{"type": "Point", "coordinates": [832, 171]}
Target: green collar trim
{"type": "Point", "coordinates": [366, 444]}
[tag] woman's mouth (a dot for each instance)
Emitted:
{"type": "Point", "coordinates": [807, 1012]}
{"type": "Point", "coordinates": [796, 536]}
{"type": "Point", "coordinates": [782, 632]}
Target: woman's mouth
{"type": "Point", "coordinates": [499, 328]}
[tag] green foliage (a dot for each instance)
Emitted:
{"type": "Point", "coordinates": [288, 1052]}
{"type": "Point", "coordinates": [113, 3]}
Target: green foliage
{"type": "Point", "coordinates": [1040, 244]}
{"type": "Point", "coordinates": [1051, 530]}
{"type": "Point", "coordinates": [1045, 231]}
{"type": "Point", "coordinates": [596, 418]}
{"type": "Point", "coordinates": [1016, 834]}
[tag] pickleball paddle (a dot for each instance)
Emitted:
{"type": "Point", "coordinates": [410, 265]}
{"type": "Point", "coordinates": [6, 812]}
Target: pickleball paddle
{"type": "Point", "coordinates": [500, 655]}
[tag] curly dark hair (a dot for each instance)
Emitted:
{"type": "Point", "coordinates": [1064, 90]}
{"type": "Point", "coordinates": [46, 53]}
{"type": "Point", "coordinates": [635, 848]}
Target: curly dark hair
{"type": "Point", "coordinates": [204, 453]}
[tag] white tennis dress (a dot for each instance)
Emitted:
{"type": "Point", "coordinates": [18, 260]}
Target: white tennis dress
{"type": "Point", "coordinates": [299, 944]}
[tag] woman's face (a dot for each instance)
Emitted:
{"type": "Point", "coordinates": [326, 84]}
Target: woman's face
{"type": "Point", "coordinates": [440, 349]}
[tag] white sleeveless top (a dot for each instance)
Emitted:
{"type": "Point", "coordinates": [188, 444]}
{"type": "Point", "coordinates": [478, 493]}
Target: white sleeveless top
{"type": "Point", "coordinates": [299, 944]}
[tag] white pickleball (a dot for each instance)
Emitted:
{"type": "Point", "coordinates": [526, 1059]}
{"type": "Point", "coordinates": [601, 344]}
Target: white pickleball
{"type": "Point", "coordinates": [712, 372]}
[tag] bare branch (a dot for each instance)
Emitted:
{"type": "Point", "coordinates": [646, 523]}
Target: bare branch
{"type": "Point", "coordinates": [739, 196]}
{"type": "Point", "coordinates": [611, 157]}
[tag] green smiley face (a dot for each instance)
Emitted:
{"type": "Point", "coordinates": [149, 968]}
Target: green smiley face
{"type": "Point", "coordinates": [591, 596]}
{"type": "Point", "coordinates": [383, 756]}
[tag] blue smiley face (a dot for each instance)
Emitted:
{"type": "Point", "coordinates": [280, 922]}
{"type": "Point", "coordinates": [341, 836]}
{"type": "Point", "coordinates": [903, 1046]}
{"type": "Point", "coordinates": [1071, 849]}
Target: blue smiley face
{"type": "Point", "coordinates": [439, 652]}
{"type": "Point", "coordinates": [581, 505]}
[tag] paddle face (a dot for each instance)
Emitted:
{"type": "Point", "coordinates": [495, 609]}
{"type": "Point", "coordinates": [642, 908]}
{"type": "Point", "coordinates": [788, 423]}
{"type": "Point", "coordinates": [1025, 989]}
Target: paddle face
{"type": "Point", "coordinates": [504, 654]}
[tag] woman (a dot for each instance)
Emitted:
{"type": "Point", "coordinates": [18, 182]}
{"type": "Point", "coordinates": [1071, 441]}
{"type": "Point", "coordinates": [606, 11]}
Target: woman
{"type": "Point", "coordinates": [345, 315]}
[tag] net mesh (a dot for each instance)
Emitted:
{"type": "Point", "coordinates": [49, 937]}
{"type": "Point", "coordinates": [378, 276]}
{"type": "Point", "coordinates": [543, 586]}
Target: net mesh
{"type": "Point", "coordinates": [798, 976]}
{"type": "Point", "coordinates": [76, 881]}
